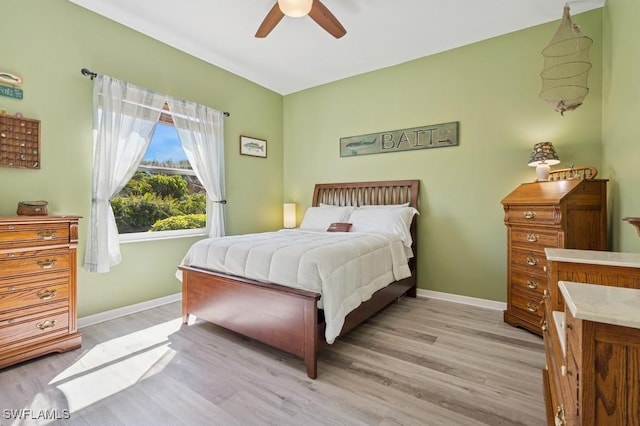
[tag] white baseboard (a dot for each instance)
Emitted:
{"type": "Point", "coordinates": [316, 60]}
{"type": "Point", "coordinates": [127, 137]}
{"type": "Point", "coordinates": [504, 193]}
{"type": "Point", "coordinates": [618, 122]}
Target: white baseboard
{"type": "Point", "coordinates": [466, 300]}
{"type": "Point", "coordinates": [143, 306]}
{"type": "Point", "coordinates": [126, 310]}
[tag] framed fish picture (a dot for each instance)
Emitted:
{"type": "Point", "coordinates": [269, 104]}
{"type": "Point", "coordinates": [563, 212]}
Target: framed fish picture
{"type": "Point", "coordinates": [253, 147]}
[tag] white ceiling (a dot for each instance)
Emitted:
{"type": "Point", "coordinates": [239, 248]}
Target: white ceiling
{"type": "Point", "coordinates": [299, 54]}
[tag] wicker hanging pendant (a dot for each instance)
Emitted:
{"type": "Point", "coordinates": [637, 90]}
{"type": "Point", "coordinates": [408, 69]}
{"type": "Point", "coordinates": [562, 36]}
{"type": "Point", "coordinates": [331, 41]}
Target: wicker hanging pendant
{"type": "Point", "coordinates": [566, 67]}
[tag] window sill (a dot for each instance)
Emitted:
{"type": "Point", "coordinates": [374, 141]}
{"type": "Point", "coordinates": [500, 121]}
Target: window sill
{"type": "Point", "coordinates": [162, 235]}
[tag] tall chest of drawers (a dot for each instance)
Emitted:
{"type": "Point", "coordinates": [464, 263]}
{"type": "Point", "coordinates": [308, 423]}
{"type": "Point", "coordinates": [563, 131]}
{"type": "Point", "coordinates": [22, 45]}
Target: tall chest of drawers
{"type": "Point", "coordinates": [38, 312]}
{"type": "Point", "coordinates": [557, 214]}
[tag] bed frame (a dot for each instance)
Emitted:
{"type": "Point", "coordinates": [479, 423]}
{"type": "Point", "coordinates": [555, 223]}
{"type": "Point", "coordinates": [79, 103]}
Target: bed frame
{"type": "Point", "coordinates": [288, 318]}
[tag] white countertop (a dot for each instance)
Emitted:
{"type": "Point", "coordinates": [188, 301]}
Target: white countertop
{"type": "Point", "coordinates": [599, 303]}
{"type": "Point", "coordinates": [609, 258]}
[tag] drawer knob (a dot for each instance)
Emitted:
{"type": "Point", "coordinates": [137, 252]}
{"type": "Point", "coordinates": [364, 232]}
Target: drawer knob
{"type": "Point", "coordinates": [532, 284]}
{"type": "Point", "coordinates": [559, 418]}
{"type": "Point", "coordinates": [532, 261]}
{"type": "Point", "coordinates": [47, 235]}
{"type": "Point", "coordinates": [544, 326]}
{"type": "Point", "coordinates": [12, 227]}
{"type": "Point", "coordinates": [529, 215]}
{"type": "Point", "coordinates": [46, 294]}
{"type": "Point", "coordinates": [532, 238]}
{"type": "Point", "coordinates": [46, 324]}
{"type": "Point", "coordinates": [47, 264]}
{"type": "Point", "coordinates": [531, 307]}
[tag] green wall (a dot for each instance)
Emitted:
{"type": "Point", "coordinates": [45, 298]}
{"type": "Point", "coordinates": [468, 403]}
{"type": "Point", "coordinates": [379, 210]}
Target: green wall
{"type": "Point", "coordinates": [47, 43]}
{"type": "Point", "coordinates": [621, 107]}
{"type": "Point", "coordinates": [491, 88]}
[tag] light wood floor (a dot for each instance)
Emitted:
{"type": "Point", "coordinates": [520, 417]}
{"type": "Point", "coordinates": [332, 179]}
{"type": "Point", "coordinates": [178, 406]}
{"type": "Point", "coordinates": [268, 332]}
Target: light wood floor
{"type": "Point", "coordinates": [419, 362]}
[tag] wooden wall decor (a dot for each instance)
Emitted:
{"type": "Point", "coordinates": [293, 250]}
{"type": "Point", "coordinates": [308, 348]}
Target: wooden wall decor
{"type": "Point", "coordinates": [424, 137]}
{"type": "Point", "coordinates": [19, 142]}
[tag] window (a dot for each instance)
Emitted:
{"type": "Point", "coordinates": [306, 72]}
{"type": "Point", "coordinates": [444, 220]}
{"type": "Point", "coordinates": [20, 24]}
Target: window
{"type": "Point", "coordinates": [164, 198]}
{"type": "Point", "coordinates": [125, 118]}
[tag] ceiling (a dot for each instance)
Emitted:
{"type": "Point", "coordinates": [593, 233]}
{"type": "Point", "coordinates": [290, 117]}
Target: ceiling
{"type": "Point", "coordinates": [299, 54]}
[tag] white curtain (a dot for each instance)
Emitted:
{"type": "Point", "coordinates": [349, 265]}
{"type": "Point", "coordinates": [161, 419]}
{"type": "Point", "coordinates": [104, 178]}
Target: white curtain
{"type": "Point", "coordinates": [201, 133]}
{"type": "Point", "coordinates": [124, 119]}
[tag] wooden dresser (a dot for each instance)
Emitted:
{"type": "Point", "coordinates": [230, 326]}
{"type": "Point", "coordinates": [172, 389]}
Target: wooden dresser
{"type": "Point", "coordinates": [37, 286]}
{"type": "Point", "coordinates": [562, 214]}
{"type": "Point", "coordinates": [592, 349]}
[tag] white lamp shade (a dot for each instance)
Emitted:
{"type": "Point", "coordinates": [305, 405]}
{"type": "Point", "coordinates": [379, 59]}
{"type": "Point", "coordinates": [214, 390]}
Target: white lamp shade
{"type": "Point", "coordinates": [295, 8]}
{"type": "Point", "coordinates": [289, 211]}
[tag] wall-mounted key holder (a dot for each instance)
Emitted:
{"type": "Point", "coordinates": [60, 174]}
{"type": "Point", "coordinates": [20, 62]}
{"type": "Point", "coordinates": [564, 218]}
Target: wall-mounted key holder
{"type": "Point", "coordinates": [19, 142]}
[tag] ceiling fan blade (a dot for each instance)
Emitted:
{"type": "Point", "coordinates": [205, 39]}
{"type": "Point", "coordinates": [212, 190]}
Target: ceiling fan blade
{"type": "Point", "coordinates": [270, 21]}
{"type": "Point", "coordinates": [326, 20]}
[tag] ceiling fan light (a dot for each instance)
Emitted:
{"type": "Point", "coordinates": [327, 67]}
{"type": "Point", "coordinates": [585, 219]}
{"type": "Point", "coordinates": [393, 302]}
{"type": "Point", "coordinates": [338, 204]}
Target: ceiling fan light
{"type": "Point", "coordinates": [295, 8]}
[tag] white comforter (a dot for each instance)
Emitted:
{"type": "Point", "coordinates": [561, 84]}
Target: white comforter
{"type": "Point", "coordinates": [346, 268]}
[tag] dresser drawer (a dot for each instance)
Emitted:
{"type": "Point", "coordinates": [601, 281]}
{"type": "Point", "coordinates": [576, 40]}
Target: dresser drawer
{"type": "Point", "coordinates": [535, 239]}
{"type": "Point", "coordinates": [37, 261]}
{"type": "Point", "coordinates": [36, 327]}
{"type": "Point", "coordinates": [554, 357]}
{"type": "Point", "coordinates": [31, 296]}
{"type": "Point", "coordinates": [574, 329]}
{"type": "Point", "coordinates": [33, 235]}
{"type": "Point", "coordinates": [540, 215]}
{"type": "Point", "coordinates": [526, 280]}
{"type": "Point", "coordinates": [572, 377]}
{"type": "Point", "coordinates": [529, 261]}
{"type": "Point", "coordinates": [11, 317]}
{"type": "Point", "coordinates": [526, 304]}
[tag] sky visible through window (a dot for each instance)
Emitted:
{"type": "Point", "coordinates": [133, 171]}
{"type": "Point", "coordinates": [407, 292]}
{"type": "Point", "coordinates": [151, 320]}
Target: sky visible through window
{"type": "Point", "coordinates": [165, 145]}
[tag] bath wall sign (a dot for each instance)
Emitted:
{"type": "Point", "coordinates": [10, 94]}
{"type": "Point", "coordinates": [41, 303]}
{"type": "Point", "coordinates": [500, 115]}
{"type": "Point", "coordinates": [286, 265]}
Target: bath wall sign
{"type": "Point", "coordinates": [424, 137]}
{"type": "Point", "coordinates": [8, 85]}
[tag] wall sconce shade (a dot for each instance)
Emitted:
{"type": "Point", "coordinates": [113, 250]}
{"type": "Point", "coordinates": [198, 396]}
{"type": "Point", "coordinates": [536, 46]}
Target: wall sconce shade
{"type": "Point", "coordinates": [543, 156]}
{"type": "Point", "coordinates": [295, 8]}
{"type": "Point", "coordinates": [289, 214]}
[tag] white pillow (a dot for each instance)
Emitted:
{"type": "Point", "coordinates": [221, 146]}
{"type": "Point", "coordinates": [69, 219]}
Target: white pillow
{"type": "Point", "coordinates": [384, 206]}
{"type": "Point", "coordinates": [392, 220]}
{"type": "Point", "coordinates": [320, 218]}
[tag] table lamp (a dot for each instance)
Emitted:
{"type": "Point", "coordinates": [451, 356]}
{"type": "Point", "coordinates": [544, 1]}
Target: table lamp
{"type": "Point", "coordinates": [289, 211]}
{"type": "Point", "coordinates": [543, 156]}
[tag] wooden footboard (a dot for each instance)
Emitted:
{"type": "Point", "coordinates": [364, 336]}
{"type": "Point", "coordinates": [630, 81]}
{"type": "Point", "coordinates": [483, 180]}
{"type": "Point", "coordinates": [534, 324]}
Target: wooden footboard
{"type": "Point", "coordinates": [279, 316]}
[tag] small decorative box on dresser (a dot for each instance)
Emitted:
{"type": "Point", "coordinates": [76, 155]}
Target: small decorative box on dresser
{"type": "Point", "coordinates": [561, 214]}
{"type": "Point", "coordinates": [37, 286]}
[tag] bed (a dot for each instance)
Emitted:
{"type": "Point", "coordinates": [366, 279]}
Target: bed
{"type": "Point", "coordinates": [288, 318]}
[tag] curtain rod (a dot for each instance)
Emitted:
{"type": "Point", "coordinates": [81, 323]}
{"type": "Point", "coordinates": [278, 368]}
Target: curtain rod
{"type": "Point", "coordinates": [93, 75]}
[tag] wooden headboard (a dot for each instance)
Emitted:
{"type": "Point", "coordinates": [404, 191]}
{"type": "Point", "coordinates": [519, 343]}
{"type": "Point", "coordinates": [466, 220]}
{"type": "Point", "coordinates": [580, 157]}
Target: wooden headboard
{"type": "Point", "coordinates": [367, 193]}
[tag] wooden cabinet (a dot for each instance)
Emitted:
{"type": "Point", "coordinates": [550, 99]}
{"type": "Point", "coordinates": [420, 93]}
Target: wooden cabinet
{"type": "Point", "coordinates": [38, 312]}
{"type": "Point", "coordinates": [592, 349]}
{"type": "Point", "coordinates": [561, 214]}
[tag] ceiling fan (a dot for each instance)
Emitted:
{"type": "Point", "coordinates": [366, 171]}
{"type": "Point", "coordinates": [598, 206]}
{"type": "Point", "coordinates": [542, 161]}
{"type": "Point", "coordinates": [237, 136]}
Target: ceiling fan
{"type": "Point", "coordinates": [297, 8]}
